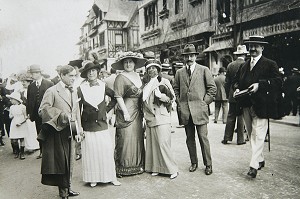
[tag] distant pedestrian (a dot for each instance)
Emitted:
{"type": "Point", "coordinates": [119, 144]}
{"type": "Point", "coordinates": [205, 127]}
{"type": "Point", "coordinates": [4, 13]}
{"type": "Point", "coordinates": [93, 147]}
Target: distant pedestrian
{"type": "Point", "coordinates": [260, 77]}
{"type": "Point", "coordinates": [195, 89]}
{"type": "Point", "coordinates": [221, 98]}
{"type": "Point", "coordinates": [233, 116]}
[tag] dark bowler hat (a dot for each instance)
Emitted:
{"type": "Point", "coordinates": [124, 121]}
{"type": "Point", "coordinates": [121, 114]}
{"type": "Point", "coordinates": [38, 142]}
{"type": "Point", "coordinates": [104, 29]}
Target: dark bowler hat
{"type": "Point", "coordinates": [222, 70]}
{"type": "Point", "coordinates": [256, 39]}
{"type": "Point", "coordinates": [189, 49]}
{"type": "Point", "coordinates": [88, 67]}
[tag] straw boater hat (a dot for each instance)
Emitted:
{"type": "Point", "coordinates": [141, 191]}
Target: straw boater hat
{"type": "Point", "coordinates": [166, 67]}
{"type": "Point", "coordinates": [34, 68]}
{"type": "Point", "coordinates": [189, 49]}
{"type": "Point", "coordinates": [256, 39]}
{"type": "Point", "coordinates": [137, 58]}
{"type": "Point", "coordinates": [16, 96]}
{"type": "Point", "coordinates": [241, 49]}
{"type": "Point", "coordinates": [153, 62]}
{"type": "Point", "coordinates": [88, 66]}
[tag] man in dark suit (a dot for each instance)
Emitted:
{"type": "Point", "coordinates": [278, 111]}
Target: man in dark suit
{"type": "Point", "coordinates": [233, 116]}
{"type": "Point", "coordinates": [262, 78]}
{"type": "Point", "coordinates": [58, 107]}
{"type": "Point", "coordinates": [35, 95]}
{"type": "Point", "coordinates": [195, 89]}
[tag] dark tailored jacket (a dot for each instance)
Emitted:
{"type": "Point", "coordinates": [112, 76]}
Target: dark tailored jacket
{"type": "Point", "coordinates": [33, 103]}
{"type": "Point", "coordinates": [265, 101]}
{"type": "Point", "coordinates": [232, 68]}
{"type": "Point", "coordinates": [193, 96]}
{"type": "Point", "coordinates": [95, 119]}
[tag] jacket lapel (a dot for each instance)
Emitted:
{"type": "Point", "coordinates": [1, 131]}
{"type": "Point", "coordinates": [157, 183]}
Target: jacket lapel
{"type": "Point", "coordinates": [186, 76]}
{"type": "Point", "coordinates": [194, 75]}
{"type": "Point", "coordinates": [63, 94]}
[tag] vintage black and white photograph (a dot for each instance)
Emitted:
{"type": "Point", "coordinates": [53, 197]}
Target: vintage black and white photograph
{"type": "Point", "coordinates": [149, 99]}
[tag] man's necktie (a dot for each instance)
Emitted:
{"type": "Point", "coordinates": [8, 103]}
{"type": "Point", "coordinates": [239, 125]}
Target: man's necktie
{"type": "Point", "coordinates": [70, 88]}
{"type": "Point", "coordinates": [38, 92]}
{"type": "Point", "coordinates": [189, 71]}
{"type": "Point", "coordinates": [252, 64]}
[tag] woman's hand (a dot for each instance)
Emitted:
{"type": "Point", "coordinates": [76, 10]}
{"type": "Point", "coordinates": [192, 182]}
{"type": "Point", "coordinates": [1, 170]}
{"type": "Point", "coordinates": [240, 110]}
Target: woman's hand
{"type": "Point", "coordinates": [126, 117]}
{"type": "Point", "coordinates": [164, 98]}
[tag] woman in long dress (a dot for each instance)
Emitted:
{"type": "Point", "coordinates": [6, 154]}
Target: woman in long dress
{"type": "Point", "coordinates": [158, 95]}
{"type": "Point", "coordinates": [31, 142]}
{"type": "Point", "coordinates": [129, 149]}
{"type": "Point", "coordinates": [97, 146]}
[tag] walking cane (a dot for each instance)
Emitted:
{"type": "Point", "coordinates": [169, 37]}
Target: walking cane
{"type": "Point", "coordinates": [268, 133]}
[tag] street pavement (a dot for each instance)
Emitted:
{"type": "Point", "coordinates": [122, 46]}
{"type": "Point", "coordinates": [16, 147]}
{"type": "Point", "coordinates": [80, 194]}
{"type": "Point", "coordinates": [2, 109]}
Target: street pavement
{"type": "Point", "coordinates": [20, 179]}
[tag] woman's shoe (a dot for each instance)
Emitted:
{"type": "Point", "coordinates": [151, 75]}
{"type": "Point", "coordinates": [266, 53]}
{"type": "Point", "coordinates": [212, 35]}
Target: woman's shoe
{"type": "Point", "coordinates": [116, 183]}
{"type": "Point", "coordinates": [174, 175]}
{"type": "Point", "coordinates": [93, 184]}
{"type": "Point", "coordinates": [154, 174]}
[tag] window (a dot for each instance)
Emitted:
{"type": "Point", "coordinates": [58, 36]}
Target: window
{"type": "Point", "coordinates": [135, 37]}
{"type": "Point", "coordinates": [223, 7]}
{"type": "Point", "coordinates": [150, 14]}
{"type": "Point", "coordinates": [178, 6]}
{"type": "Point", "coordinates": [100, 15]}
{"type": "Point", "coordinates": [250, 2]}
{"type": "Point", "coordinates": [119, 39]}
{"type": "Point", "coordinates": [102, 39]}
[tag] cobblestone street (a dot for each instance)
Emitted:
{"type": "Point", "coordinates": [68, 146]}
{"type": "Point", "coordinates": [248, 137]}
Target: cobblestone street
{"type": "Point", "coordinates": [278, 179]}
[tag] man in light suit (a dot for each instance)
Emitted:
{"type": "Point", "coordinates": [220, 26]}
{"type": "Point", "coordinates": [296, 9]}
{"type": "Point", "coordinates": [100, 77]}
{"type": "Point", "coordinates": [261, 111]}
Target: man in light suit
{"type": "Point", "coordinates": [233, 116]}
{"type": "Point", "coordinates": [58, 107]}
{"type": "Point", "coordinates": [35, 95]}
{"type": "Point", "coordinates": [262, 78]}
{"type": "Point", "coordinates": [195, 89]}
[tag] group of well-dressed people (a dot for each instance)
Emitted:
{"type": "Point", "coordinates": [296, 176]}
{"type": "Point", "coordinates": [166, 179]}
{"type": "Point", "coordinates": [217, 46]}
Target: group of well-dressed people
{"type": "Point", "coordinates": [66, 114]}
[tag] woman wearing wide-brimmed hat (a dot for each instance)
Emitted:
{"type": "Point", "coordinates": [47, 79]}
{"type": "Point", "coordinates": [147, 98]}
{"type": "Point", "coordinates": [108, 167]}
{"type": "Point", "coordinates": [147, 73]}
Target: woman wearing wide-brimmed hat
{"type": "Point", "coordinates": [158, 95]}
{"type": "Point", "coordinates": [31, 142]}
{"type": "Point", "coordinates": [129, 150]}
{"type": "Point", "coordinates": [97, 146]}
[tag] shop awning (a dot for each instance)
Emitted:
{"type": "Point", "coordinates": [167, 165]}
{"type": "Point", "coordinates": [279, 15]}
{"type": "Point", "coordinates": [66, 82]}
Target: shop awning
{"type": "Point", "coordinates": [219, 46]}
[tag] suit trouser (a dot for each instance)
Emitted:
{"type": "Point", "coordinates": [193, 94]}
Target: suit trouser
{"type": "Point", "coordinates": [224, 105]}
{"type": "Point", "coordinates": [257, 130]}
{"type": "Point", "coordinates": [63, 191]}
{"type": "Point", "coordinates": [191, 143]}
{"type": "Point", "coordinates": [38, 127]}
{"type": "Point", "coordinates": [233, 118]}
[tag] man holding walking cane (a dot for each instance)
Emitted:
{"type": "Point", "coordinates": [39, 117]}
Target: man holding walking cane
{"type": "Point", "coordinates": [60, 111]}
{"type": "Point", "coordinates": [260, 78]}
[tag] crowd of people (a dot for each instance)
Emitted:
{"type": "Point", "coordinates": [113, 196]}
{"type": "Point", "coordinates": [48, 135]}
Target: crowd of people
{"type": "Point", "coordinates": [72, 113]}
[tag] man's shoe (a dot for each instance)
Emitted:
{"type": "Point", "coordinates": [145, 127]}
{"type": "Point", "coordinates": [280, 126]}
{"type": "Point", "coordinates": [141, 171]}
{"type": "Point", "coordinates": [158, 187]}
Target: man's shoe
{"type": "Point", "coordinates": [261, 165]}
{"type": "Point", "coordinates": [39, 156]}
{"type": "Point", "coordinates": [193, 167]}
{"type": "Point", "coordinates": [252, 172]}
{"type": "Point", "coordinates": [224, 142]}
{"type": "Point", "coordinates": [208, 170]}
{"type": "Point", "coordinates": [78, 157]}
{"type": "Point", "coordinates": [241, 143]}
{"type": "Point", "coordinates": [64, 197]}
{"type": "Point", "coordinates": [73, 193]}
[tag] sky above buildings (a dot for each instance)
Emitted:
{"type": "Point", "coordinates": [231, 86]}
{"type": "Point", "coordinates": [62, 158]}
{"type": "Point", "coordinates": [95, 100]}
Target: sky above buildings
{"type": "Point", "coordinates": [43, 32]}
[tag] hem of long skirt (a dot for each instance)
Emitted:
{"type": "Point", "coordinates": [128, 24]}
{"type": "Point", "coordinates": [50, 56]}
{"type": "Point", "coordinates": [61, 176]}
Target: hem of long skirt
{"type": "Point", "coordinates": [162, 171]}
{"type": "Point", "coordinates": [127, 171]}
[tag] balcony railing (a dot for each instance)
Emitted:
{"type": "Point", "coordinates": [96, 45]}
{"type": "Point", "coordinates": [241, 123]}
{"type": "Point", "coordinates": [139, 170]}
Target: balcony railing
{"type": "Point", "coordinates": [178, 25]}
{"type": "Point", "coordinates": [163, 14]}
{"type": "Point", "coordinates": [151, 34]}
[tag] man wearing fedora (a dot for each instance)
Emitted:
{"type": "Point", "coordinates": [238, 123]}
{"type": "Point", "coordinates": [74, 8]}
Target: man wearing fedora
{"type": "Point", "coordinates": [35, 95]}
{"type": "Point", "coordinates": [262, 78]}
{"type": "Point", "coordinates": [233, 116]}
{"type": "Point", "coordinates": [58, 109]}
{"type": "Point", "coordinates": [195, 89]}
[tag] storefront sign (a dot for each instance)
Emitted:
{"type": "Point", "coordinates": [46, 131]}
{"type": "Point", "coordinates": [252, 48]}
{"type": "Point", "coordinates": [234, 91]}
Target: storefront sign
{"type": "Point", "coordinates": [284, 27]}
